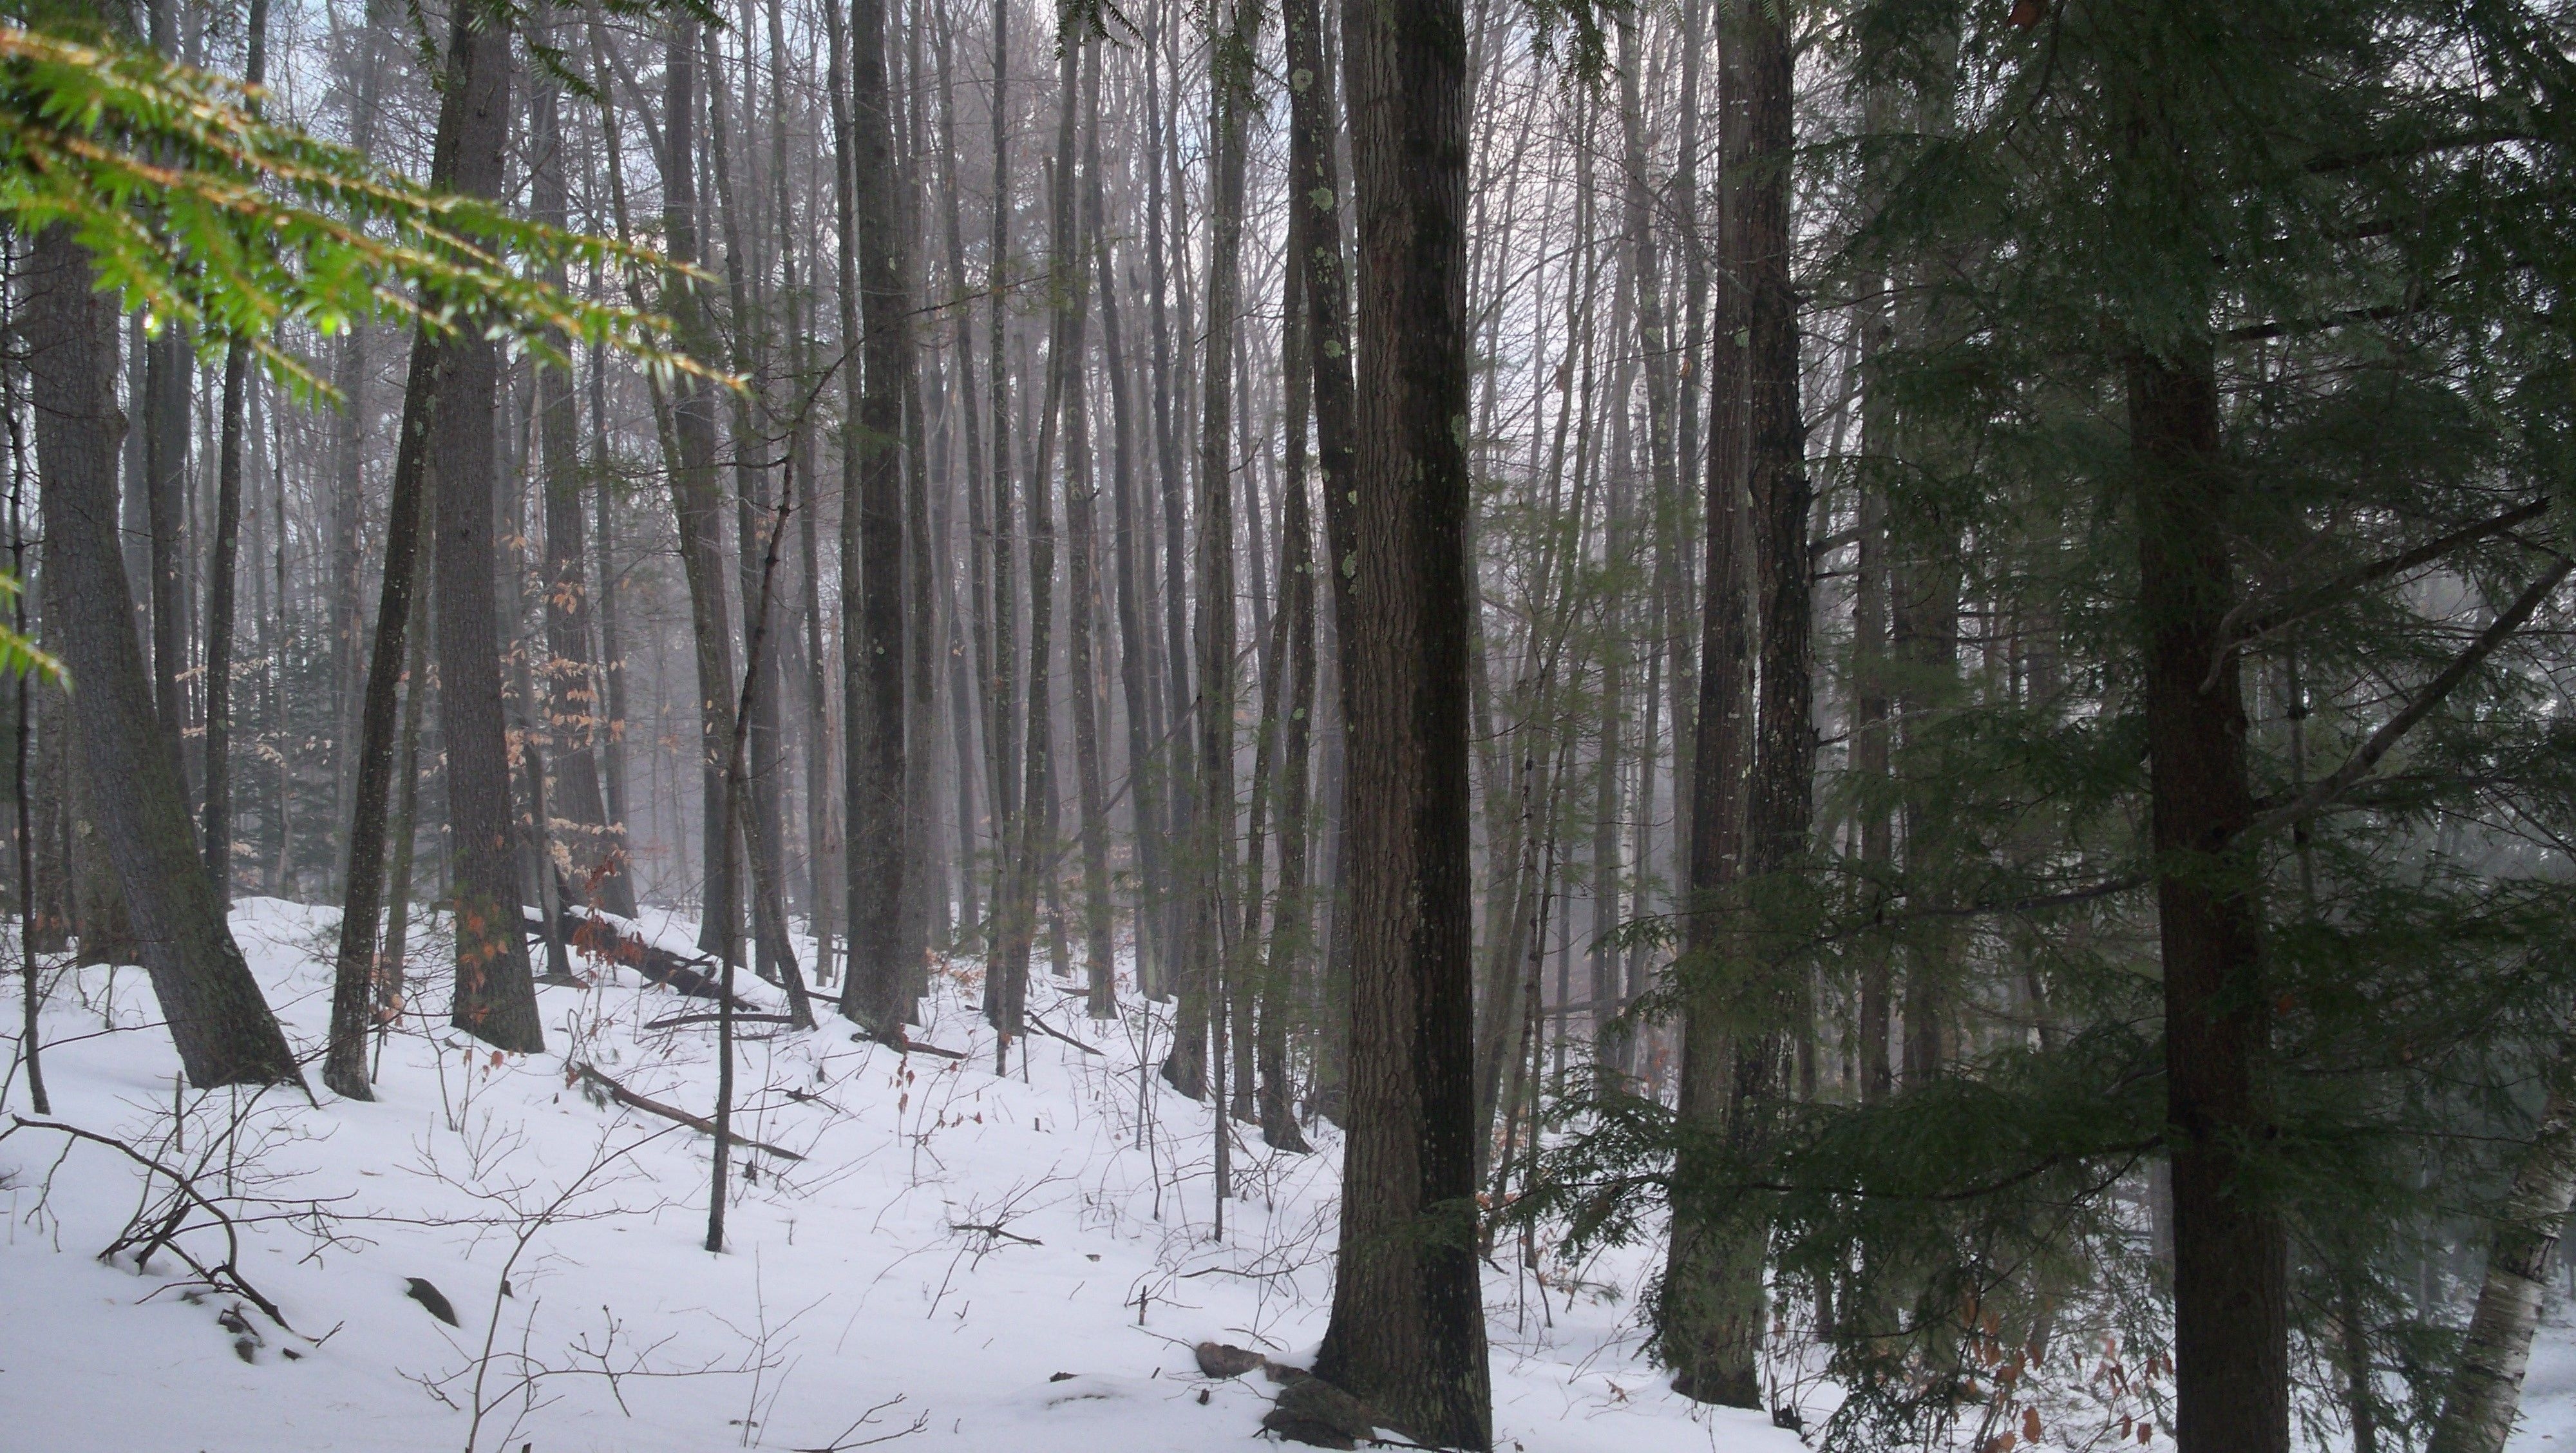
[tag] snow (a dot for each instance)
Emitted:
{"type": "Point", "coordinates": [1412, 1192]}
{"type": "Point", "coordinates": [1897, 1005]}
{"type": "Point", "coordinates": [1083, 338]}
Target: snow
{"type": "Point", "coordinates": [2549, 1388]}
{"type": "Point", "coordinates": [854, 1299]}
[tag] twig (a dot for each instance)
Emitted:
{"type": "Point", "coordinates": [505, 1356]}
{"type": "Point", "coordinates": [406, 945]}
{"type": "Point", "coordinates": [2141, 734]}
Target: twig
{"type": "Point", "coordinates": [997, 1232]}
{"type": "Point", "coordinates": [225, 1276]}
{"type": "Point", "coordinates": [843, 1443]}
{"type": "Point", "coordinates": [699, 1123]}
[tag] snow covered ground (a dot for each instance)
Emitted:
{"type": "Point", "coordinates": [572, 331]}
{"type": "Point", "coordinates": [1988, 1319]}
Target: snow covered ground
{"type": "Point", "coordinates": [999, 1263]}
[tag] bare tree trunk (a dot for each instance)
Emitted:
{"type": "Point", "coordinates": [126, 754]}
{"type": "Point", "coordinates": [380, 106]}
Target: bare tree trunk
{"type": "Point", "coordinates": [575, 710]}
{"type": "Point", "coordinates": [1133, 558]}
{"type": "Point", "coordinates": [218, 834]}
{"type": "Point", "coordinates": [1178, 754]}
{"type": "Point", "coordinates": [750, 411]}
{"type": "Point", "coordinates": [1712, 1317]}
{"type": "Point", "coordinates": [496, 1000]}
{"type": "Point", "coordinates": [1408, 1327]}
{"type": "Point", "coordinates": [1314, 121]}
{"type": "Point", "coordinates": [223, 1029]}
{"type": "Point", "coordinates": [1290, 958]}
{"type": "Point", "coordinates": [1211, 842]}
{"type": "Point", "coordinates": [696, 502]}
{"type": "Point", "coordinates": [2231, 1263]}
{"type": "Point", "coordinates": [1001, 692]}
{"type": "Point", "coordinates": [1082, 492]}
{"type": "Point", "coordinates": [872, 616]}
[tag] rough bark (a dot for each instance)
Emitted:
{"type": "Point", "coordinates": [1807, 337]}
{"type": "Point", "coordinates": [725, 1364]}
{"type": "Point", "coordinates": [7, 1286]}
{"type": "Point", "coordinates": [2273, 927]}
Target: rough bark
{"type": "Point", "coordinates": [1407, 1329]}
{"type": "Point", "coordinates": [872, 616]}
{"type": "Point", "coordinates": [223, 1029]}
{"type": "Point", "coordinates": [496, 1000]}
{"type": "Point", "coordinates": [1713, 1316]}
{"type": "Point", "coordinates": [2231, 1261]}
{"type": "Point", "coordinates": [576, 710]}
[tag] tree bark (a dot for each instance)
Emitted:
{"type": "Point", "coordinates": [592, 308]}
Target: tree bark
{"type": "Point", "coordinates": [218, 835]}
{"type": "Point", "coordinates": [496, 1000]}
{"type": "Point", "coordinates": [696, 502]}
{"type": "Point", "coordinates": [2484, 1393]}
{"type": "Point", "coordinates": [576, 709]}
{"type": "Point", "coordinates": [1713, 1317]}
{"type": "Point", "coordinates": [1408, 1329]}
{"type": "Point", "coordinates": [872, 615]}
{"type": "Point", "coordinates": [223, 1029]}
{"type": "Point", "coordinates": [2231, 1261]}
{"type": "Point", "coordinates": [1315, 195]}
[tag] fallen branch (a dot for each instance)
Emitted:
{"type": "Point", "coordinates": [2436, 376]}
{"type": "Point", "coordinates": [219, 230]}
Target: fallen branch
{"type": "Point", "coordinates": [699, 1123]}
{"type": "Point", "coordinates": [675, 1021]}
{"type": "Point", "coordinates": [999, 1233]}
{"type": "Point", "coordinates": [904, 1045]}
{"type": "Point", "coordinates": [1042, 1027]}
{"type": "Point", "coordinates": [224, 1276]}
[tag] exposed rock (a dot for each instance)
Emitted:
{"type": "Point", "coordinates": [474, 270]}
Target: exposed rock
{"type": "Point", "coordinates": [1224, 1359]}
{"type": "Point", "coordinates": [1312, 1411]}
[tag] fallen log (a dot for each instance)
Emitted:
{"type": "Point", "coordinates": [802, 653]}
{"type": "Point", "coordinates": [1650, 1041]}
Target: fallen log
{"type": "Point", "coordinates": [699, 1123]}
{"type": "Point", "coordinates": [597, 937]}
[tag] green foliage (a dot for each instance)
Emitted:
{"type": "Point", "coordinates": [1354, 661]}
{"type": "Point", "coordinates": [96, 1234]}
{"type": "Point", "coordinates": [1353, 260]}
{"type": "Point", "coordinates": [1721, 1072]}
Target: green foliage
{"type": "Point", "coordinates": [20, 656]}
{"type": "Point", "coordinates": [2368, 231]}
{"type": "Point", "coordinates": [203, 215]}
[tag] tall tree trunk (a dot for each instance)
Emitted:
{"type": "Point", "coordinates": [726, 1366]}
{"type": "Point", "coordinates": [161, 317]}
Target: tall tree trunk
{"type": "Point", "coordinates": [1082, 493]}
{"type": "Point", "coordinates": [1291, 916]}
{"type": "Point", "coordinates": [1133, 554]}
{"type": "Point", "coordinates": [970, 670]}
{"type": "Point", "coordinates": [2231, 1262]}
{"type": "Point", "coordinates": [1211, 842]}
{"type": "Point", "coordinates": [872, 616]}
{"type": "Point", "coordinates": [469, 121]}
{"type": "Point", "coordinates": [1713, 1316]}
{"type": "Point", "coordinates": [218, 834]}
{"type": "Point", "coordinates": [1001, 692]}
{"type": "Point", "coordinates": [696, 502]}
{"type": "Point", "coordinates": [1179, 746]}
{"type": "Point", "coordinates": [496, 1000]}
{"type": "Point", "coordinates": [1314, 122]}
{"type": "Point", "coordinates": [575, 710]}
{"type": "Point", "coordinates": [223, 1029]}
{"type": "Point", "coordinates": [1408, 1326]}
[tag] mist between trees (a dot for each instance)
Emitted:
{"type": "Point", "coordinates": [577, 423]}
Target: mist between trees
{"type": "Point", "coordinates": [1917, 651]}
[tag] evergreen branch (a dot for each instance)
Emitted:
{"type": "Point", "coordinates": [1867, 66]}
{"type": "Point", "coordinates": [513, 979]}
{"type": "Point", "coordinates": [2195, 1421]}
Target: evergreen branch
{"type": "Point", "coordinates": [2356, 767]}
{"type": "Point", "coordinates": [2235, 632]}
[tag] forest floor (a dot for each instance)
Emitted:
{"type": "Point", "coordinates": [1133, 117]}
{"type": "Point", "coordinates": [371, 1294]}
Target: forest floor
{"type": "Point", "coordinates": [957, 1260]}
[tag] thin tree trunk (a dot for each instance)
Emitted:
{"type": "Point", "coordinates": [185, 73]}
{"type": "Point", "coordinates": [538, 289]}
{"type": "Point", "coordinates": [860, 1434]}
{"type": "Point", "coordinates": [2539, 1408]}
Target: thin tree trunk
{"type": "Point", "coordinates": [1133, 557]}
{"type": "Point", "coordinates": [1291, 915]}
{"type": "Point", "coordinates": [1711, 1320]}
{"type": "Point", "coordinates": [574, 711]}
{"type": "Point", "coordinates": [1211, 843]}
{"type": "Point", "coordinates": [1082, 493]}
{"type": "Point", "coordinates": [1314, 122]}
{"type": "Point", "coordinates": [696, 502]}
{"type": "Point", "coordinates": [218, 834]}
